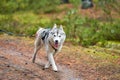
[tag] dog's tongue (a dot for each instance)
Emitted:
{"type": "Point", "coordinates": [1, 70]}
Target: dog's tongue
{"type": "Point", "coordinates": [56, 45]}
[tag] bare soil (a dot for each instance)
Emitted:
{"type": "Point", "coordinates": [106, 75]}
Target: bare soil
{"type": "Point", "coordinates": [16, 62]}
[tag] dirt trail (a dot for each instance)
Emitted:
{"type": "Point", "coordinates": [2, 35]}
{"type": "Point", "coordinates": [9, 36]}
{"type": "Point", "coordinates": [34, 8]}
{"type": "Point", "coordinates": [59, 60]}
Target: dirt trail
{"type": "Point", "coordinates": [15, 63]}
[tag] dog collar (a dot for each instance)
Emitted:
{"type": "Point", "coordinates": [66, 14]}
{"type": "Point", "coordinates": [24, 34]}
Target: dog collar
{"type": "Point", "coordinates": [53, 47]}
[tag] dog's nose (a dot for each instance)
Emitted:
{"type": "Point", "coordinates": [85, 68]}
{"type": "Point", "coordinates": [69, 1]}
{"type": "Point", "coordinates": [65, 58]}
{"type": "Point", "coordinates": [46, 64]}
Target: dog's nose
{"type": "Point", "coordinates": [56, 41]}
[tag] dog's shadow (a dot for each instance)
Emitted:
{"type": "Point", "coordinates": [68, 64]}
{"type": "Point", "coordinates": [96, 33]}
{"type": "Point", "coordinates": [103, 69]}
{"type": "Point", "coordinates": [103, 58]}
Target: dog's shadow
{"type": "Point", "coordinates": [41, 65]}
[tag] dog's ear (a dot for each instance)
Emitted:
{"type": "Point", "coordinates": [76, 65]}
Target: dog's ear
{"type": "Point", "coordinates": [61, 27]}
{"type": "Point", "coordinates": [55, 26]}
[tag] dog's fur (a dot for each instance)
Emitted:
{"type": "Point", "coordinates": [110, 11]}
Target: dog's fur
{"type": "Point", "coordinates": [53, 40]}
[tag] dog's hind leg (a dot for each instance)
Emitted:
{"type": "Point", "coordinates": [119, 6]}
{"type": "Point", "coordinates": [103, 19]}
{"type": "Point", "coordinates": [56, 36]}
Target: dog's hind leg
{"type": "Point", "coordinates": [47, 65]}
{"type": "Point", "coordinates": [38, 45]}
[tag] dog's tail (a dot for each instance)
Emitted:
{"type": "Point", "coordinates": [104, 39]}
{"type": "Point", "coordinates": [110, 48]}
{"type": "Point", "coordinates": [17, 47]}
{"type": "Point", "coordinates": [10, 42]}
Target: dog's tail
{"type": "Point", "coordinates": [39, 32]}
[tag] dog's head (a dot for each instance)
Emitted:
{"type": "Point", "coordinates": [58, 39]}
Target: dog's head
{"type": "Point", "coordinates": [57, 36]}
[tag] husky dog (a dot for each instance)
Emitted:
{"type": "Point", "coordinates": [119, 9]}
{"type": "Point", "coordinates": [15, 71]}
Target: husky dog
{"type": "Point", "coordinates": [53, 40]}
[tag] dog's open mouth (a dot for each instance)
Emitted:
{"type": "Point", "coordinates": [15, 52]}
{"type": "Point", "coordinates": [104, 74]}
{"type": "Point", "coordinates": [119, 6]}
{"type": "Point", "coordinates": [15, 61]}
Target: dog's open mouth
{"type": "Point", "coordinates": [56, 45]}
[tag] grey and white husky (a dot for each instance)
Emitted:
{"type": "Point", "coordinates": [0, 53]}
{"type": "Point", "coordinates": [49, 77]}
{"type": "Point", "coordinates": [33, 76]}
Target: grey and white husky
{"type": "Point", "coordinates": [53, 40]}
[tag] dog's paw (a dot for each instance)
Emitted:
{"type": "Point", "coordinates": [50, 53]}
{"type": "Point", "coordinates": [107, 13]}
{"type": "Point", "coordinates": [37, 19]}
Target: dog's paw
{"type": "Point", "coordinates": [55, 69]}
{"type": "Point", "coordinates": [43, 68]}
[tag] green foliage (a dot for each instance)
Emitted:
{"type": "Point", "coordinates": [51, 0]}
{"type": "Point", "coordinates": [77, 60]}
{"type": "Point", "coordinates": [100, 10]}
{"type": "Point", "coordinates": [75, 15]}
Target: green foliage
{"type": "Point", "coordinates": [75, 2]}
{"type": "Point", "coordinates": [11, 6]}
{"type": "Point", "coordinates": [88, 31]}
{"type": "Point", "coordinates": [108, 6]}
{"type": "Point", "coordinates": [23, 23]}
{"type": "Point", "coordinates": [110, 31]}
{"type": "Point", "coordinates": [46, 6]}
{"type": "Point", "coordinates": [80, 30]}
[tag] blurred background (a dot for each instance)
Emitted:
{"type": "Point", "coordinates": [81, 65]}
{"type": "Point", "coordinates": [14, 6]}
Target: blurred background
{"type": "Point", "coordinates": [86, 22]}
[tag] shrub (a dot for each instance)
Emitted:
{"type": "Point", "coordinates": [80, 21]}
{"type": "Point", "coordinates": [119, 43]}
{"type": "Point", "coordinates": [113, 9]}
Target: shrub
{"type": "Point", "coordinates": [11, 6]}
{"type": "Point", "coordinates": [89, 31]}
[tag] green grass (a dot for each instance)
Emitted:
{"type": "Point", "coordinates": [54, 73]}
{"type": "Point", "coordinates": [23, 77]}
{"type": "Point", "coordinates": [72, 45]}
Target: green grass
{"type": "Point", "coordinates": [80, 30]}
{"type": "Point", "coordinates": [105, 62]}
{"type": "Point", "coordinates": [85, 31]}
{"type": "Point", "coordinates": [26, 18]}
{"type": "Point", "coordinates": [101, 54]}
{"type": "Point", "coordinates": [23, 23]}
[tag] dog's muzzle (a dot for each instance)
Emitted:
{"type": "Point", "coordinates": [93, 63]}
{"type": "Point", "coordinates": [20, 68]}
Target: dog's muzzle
{"type": "Point", "coordinates": [56, 44]}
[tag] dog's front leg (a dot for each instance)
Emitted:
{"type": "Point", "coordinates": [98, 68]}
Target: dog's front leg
{"type": "Point", "coordinates": [51, 60]}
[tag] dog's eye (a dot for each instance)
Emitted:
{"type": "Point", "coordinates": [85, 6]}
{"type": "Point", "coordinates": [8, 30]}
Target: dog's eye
{"type": "Point", "coordinates": [54, 35]}
{"type": "Point", "coordinates": [59, 36]}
